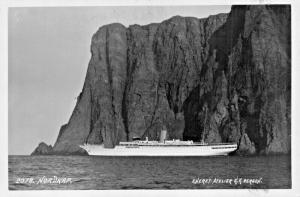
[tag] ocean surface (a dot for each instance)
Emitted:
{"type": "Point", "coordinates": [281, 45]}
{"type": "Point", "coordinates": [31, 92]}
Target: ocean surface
{"type": "Point", "coordinates": [102, 173]}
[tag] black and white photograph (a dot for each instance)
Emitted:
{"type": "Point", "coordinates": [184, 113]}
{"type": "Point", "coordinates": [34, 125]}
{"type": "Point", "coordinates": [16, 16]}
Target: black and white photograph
{"type": "Point", "coordinates": [150, 97]}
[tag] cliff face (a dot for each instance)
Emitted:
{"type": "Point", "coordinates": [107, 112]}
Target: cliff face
{"type": "Point", "coordinates": [225, 78]}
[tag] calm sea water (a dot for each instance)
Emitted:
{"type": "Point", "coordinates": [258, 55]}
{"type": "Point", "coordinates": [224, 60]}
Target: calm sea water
{"type": "Point", "coordinates": [99, 173]}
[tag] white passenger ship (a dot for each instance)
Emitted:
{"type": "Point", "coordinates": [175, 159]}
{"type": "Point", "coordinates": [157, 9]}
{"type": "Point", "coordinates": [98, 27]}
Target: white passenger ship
{"type": "Point", "coordinates": [161, 148]}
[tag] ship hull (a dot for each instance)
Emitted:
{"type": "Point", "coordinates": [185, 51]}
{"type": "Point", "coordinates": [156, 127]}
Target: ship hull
{"type": "Point", "coordinates": [207, 150]}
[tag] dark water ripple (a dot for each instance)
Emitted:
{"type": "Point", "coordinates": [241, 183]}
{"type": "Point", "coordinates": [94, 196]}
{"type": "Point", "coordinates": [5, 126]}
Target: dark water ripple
{"type": "Point", "coordinates": [97, 173]}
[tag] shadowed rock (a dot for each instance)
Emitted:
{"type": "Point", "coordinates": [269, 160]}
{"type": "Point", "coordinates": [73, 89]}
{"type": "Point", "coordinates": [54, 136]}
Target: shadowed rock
{"type": "Point", "coordinates": [42, 149]}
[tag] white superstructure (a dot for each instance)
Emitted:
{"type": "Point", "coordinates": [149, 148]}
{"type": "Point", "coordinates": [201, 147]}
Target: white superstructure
{"type": "Point", "coordinates": [161, 148]}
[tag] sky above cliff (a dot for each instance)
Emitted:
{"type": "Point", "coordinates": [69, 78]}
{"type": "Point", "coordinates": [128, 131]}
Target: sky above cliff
{"type": "Point", "coordinates": [49, 51]}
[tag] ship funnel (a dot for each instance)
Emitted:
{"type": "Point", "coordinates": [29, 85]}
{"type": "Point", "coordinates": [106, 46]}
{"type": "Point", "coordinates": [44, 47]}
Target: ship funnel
{"type": "Point", "coordinates": [163, 134]}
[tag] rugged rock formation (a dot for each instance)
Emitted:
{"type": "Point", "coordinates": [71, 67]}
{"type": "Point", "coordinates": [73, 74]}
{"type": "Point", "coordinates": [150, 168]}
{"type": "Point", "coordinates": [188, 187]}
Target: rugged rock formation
{"type": "Point", "coordinates": [225, 78]}
{"type": "Point", "coordinates": [43, 149]}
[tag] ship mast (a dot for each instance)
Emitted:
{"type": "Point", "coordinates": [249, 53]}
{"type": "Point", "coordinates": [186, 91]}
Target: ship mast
{"type": "Point", "coordinates": [204, 122]}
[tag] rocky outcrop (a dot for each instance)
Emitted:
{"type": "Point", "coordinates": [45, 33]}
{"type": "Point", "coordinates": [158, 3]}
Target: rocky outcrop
{"type": "Point", "coordinates": [225, 78]}
{"type": "Point", "coordinates": [43, 149]}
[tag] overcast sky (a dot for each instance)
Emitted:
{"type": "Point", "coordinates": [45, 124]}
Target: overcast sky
{"type": "Point", "coordinates": [49, 51]}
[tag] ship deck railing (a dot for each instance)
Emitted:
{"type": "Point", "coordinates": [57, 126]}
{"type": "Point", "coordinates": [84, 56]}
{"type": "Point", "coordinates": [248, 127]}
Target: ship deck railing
{"type": "Point", "coordinates": [176, 144]}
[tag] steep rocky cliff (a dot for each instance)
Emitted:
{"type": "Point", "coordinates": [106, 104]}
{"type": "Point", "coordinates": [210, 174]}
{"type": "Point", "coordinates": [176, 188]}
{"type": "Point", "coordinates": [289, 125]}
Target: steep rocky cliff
{"type": "Point", "coordinates": [225, 78]}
